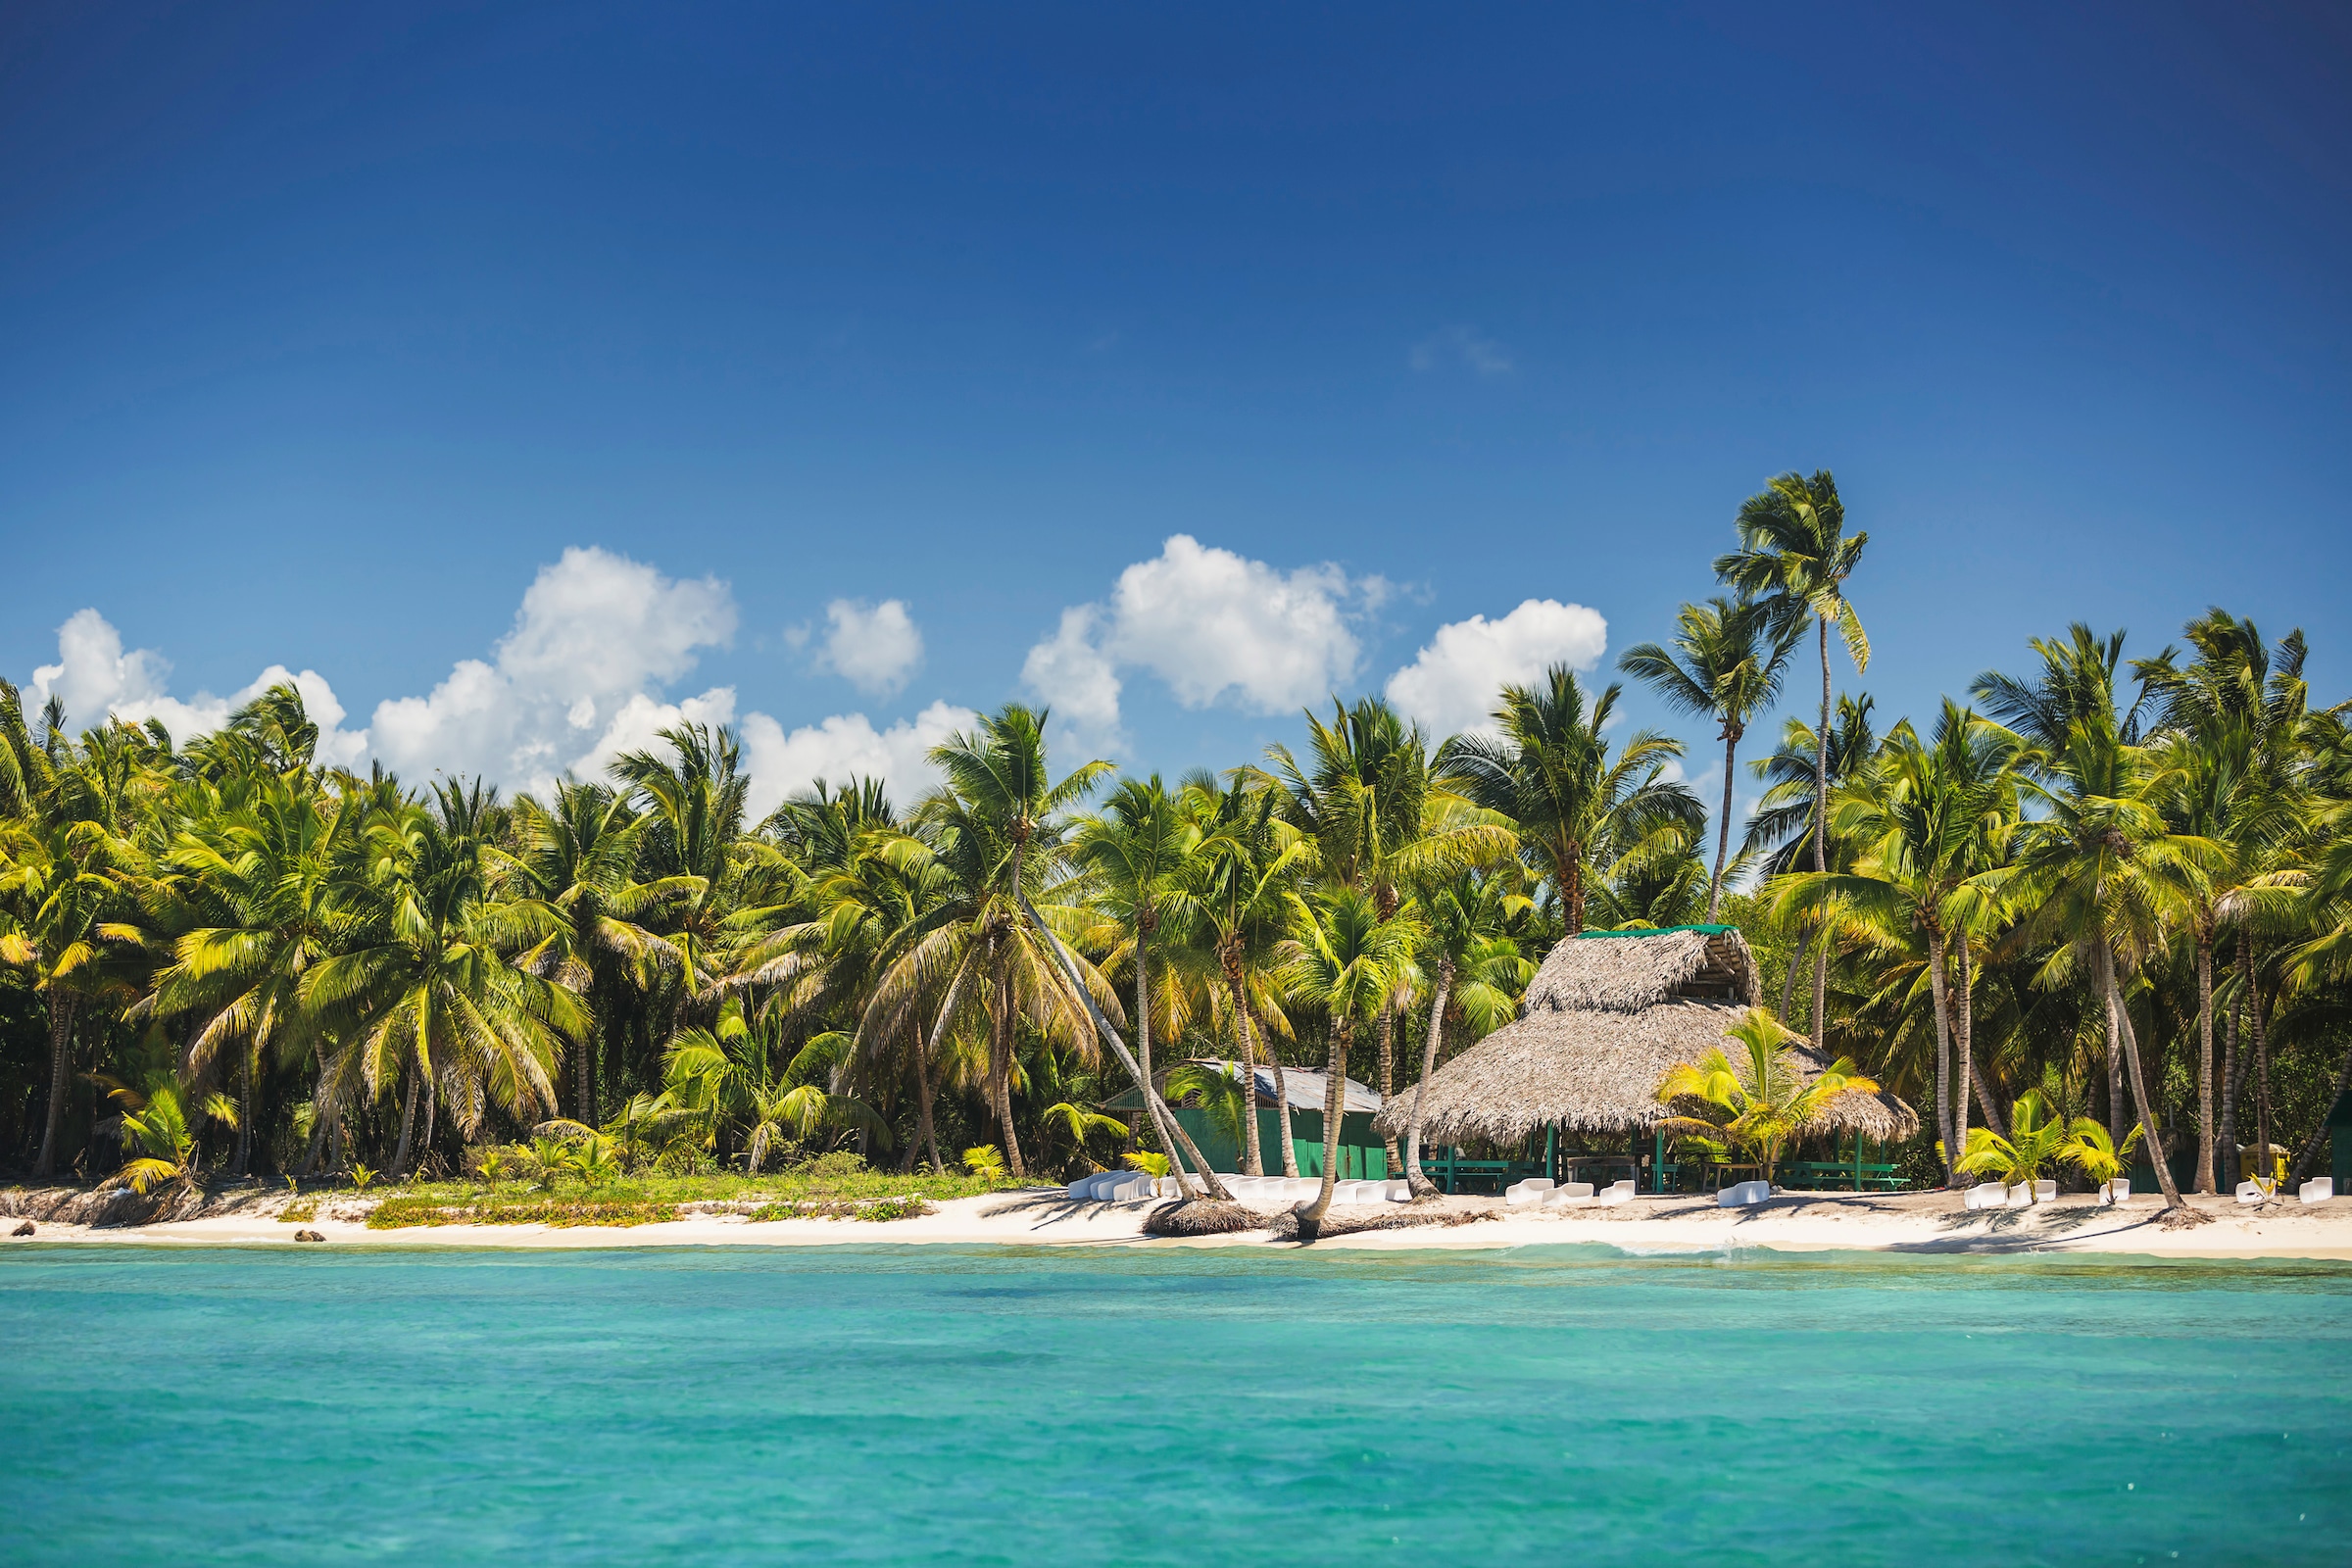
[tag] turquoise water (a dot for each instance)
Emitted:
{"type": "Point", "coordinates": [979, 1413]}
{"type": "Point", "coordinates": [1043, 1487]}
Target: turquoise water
{"type": "Point", "coordinates": [892, 1405]}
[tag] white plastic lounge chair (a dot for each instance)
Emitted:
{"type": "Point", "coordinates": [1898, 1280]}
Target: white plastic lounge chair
{"type": "Point", "coordinates": [2251, 1192]}
{"type": "Point", "coordinates": [2118, 1189]}
{"type": "Point", "coordinates": [1531, 1191]}
{"type": "Point", "coordinates": [2046, 1192]}
{"type": "Point", "coordinates": [2317, 1188]}
{"type": "Point", "coordinates": [1569, 1195]}
{"type": "Point", "coordinates": [1743, 1194]}
{"type": "Point", "coordinates": [1988, 1194]}
{"type": "Point", "coordinates": [1397, 1192]}
{"type": "Point", "coordinates": [1615, 1193]}
{"type": "Point", "coordinates": [1081, 1188]}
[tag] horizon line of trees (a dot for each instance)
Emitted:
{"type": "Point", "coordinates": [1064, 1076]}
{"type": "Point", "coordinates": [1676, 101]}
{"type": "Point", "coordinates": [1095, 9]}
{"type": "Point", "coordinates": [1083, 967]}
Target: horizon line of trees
{"type": "Point", "coordinates": [2121, 886]}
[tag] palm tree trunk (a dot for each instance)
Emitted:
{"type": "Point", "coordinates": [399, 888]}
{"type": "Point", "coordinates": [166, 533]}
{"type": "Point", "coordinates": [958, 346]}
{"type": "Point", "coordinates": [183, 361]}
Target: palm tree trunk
{"type": "Point", "coordinates": [1821, 840]}
{"type": "Point", "coordinates": [1143, 1012]}
{"type": "Point", "coordinates": [1282, 1082]}
{"type": "Point", "coordinates": [1418, 1185]}
{"type": "Point", "coordinates": [1796, 961]}
{"type": "Point", "coordinates": [408, 1121]}
{"type": "Point", "coordinates": [1968, 1045]}
{"type": "Point", "coordinates": [1310, 1219]}
{"type": "Point", "coordinates": [60, 1057]}
{"type": "Point", "coordinates": [2115, 1073]}
{"type": "Point", "coordinates": [2262, 1070]}
{"type": "Point", "coordinates": [999, 1060]}
{"type": "Point", "coordinates": [1960, 1061]}
{"type": "Point", "coordinates": [2204, 1061]}
{"type": "Point", "coordinates": [1253, 1157]}
{"type": "Point", "coordinates": [926, 1133]}
{"type": "Point", "coordinates": [1943, 1059]}
{"type": "Point", "coordinates": [2232, 1071]}
{"type": "Point", "coordinates": [1388, 1076]}
{"type": "Point", "coordinates": [1170, 1129]}
{"type": "Point", "coordinates": [432, 1114]}
{"type": "Point", "coordinates": [2120, 1023]}
{"type": "Point", "coordinates": [244, 1152]}
{"type": "Point", "coordinates": [1723, 828]}
{"type": "Point", "coordinates": [930, 1054]}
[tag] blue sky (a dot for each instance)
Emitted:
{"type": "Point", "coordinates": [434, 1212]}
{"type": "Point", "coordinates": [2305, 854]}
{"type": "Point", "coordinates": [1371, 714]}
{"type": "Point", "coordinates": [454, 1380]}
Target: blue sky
{"type": "Point", "coordinates": [328, 331]}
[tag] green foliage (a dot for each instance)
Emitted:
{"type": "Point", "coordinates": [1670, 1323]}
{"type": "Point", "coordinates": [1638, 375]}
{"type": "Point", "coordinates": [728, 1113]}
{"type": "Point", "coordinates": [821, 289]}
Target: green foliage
{"type": "Point", "coordinates": [1150, 1165]}
{"type": "Point", "coordinates": [985, 1162]}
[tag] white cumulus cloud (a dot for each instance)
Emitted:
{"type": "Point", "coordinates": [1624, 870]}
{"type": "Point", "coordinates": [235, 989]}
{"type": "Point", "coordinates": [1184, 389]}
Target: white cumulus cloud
{"type": "Point", "coordinates": [844, 746]}
{"type": "Point", "coordinates": [1462, 346]}
{"type": "Point", "coordinates": [574, 681]}
{"type": "Point", "coordinates": [874, 648]}
{"type": "Point", "coordinates": [97, 680]}
{"type": "Point", "coordinates": [1452, 684]}
{"type": "Point", "coordinates": [1215, 626]}
{"type": "Point", "coordinates": [582, 676]}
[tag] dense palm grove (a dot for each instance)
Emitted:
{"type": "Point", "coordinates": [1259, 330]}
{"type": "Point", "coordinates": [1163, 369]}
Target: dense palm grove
{"type": "Point", "coordinates": [2122, 884]}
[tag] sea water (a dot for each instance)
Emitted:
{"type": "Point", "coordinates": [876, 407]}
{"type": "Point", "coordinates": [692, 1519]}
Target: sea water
{"type": "Point", "coordinates": [1165, 1406]}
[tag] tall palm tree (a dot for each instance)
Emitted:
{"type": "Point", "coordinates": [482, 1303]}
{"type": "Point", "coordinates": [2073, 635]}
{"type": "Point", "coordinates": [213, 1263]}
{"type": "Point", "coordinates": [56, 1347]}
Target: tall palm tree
{"type": "Point", "coordinates": [1919, 820]}
{"type": "Point", "coordinates": [1247, 860]}
{"type": "Point", "coordinates": [998, 826]}
{"type": "Point", "coordinates": [1137, 852]}
{"type": "Point", "coordinates": [1378, 814]}
{"type": "Point", "coordinates": [577, 860]}
{"type": "Point", "coordinates": [1343, 958]}
{"type": "Point", "coordinates": [1781, 831]}
{"type": "Point", "coordinates": [1549, 773]}
{"type": "Point", "coordinates": [2101, 870]}
{"type": "Point", "coordinates": [1726, 662]}
{"type": "Point", "coordinates": [1794, 556]}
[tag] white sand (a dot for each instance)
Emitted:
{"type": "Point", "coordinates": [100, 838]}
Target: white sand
{"type": "Point", "coordinates": [1911, 1222]}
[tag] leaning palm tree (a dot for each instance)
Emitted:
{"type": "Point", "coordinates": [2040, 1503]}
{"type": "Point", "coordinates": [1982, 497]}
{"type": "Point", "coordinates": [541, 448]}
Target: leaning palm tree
{"type": "Point", "coordinates": [1794, 558]}
{"type": "Point", "coordinates": [1726, 664]}
{"type": "Point", "coordinates": [1345, 959]}
{"type": "Point", "coordinates": [1550, 772]}
{"type": "Point", "coordinates": [2102, 873]}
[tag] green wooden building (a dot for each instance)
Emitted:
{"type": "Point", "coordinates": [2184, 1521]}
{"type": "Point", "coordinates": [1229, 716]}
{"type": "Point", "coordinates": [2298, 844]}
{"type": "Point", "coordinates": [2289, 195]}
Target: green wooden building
{"type": "Point", "coordinates": [1363, 1156]}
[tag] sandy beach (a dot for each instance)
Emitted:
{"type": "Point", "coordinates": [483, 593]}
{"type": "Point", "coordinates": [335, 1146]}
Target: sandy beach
{"type": "Point", "coordinates": [1926, 1223]}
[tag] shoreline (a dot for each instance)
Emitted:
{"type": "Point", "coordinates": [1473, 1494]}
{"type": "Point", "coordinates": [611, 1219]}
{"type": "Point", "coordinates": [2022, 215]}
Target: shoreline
{"type": "Point", "coordinates": [1908, 1224]}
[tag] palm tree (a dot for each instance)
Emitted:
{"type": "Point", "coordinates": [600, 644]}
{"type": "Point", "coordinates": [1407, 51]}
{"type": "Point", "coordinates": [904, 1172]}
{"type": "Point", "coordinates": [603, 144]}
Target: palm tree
{"type": "Point", "coordinates": [1794, 556]}
{"type": "Point", "coordinates": [1726, 663]}
{"type": "Point", "coordinates": [1551, 773]}
{"type": "Point", "coordinates": [2102, 872]}
{"type": "Point", "coordinates": [578, 861]}
{"type": "Point", "coordinates": [997, 828]}
{"type": "Point", "coordinates": [1378, 814]}
{"type": "Point", "coordinates": [2034, 1139]}
{"type": "Point", "coordinates": [426, 988]}
{"type": "Point", "coordinates": [1136, 850]}
{"type": "Point", "coordinates": [1782, 830]}
{"type": "Point", "coordinates": [1763, 1101]}
{"type": "Point", "coordinates": [1247, 862]}
{"type": "Point", "coordinates": [1467, 937]}
{"type": "Point", "coordinates": [1921, 821]}
{"type": "Point", "coordinates": [1343, 958]}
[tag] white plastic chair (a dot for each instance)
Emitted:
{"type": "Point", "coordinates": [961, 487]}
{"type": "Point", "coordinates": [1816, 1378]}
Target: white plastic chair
{"type": "Point", "coordinates": [2251, 1192]}
{"type": "Point", "coordinates": [1531, 1191]}
{"type": "Point", "coordinates": [1743, 1194]}
{"type": "Point", "coordinates": [1569, 1195]}
{"type": "Point", "coordinates": [1617, 1193]}
{"type": "Point", "coordinates": [1397, 1192]}
{"type": "Point", "coordinates": [2046, 1192]}
{"type": "Point", "coordinates": [2317, 1188]}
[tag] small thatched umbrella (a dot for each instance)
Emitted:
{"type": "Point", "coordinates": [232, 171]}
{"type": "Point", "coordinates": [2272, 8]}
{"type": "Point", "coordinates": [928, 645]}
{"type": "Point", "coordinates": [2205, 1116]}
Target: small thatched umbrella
{"type": "Point", "coordinates": [1608, 1016]}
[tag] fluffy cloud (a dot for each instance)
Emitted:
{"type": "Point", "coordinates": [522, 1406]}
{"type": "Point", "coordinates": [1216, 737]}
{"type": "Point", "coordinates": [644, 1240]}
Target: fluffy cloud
{"type": "Point", "coordinates": [875, 649]}
{"type": "Point", "coordinates": [95, 679]}
{"type": "Point", "coordinates": [580, 677]}
{"type": "Point", "coordinates": [572, 683]}
{"type": "Point", "coordinates": [843, 746]}
{"type": "Point", "coordinates": [1452, 684]}
{"type": "Point", "coordinates": [1214, 626]}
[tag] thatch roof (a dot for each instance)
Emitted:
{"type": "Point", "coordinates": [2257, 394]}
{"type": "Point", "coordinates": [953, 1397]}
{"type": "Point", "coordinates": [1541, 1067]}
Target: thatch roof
{"type": "Point", "coordinates": [1606, 1019]}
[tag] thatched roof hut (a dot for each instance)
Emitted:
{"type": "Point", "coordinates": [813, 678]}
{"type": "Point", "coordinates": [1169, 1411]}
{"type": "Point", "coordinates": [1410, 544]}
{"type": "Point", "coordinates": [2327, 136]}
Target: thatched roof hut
{"type": "Point", "coordinates": [1608, 1015]}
